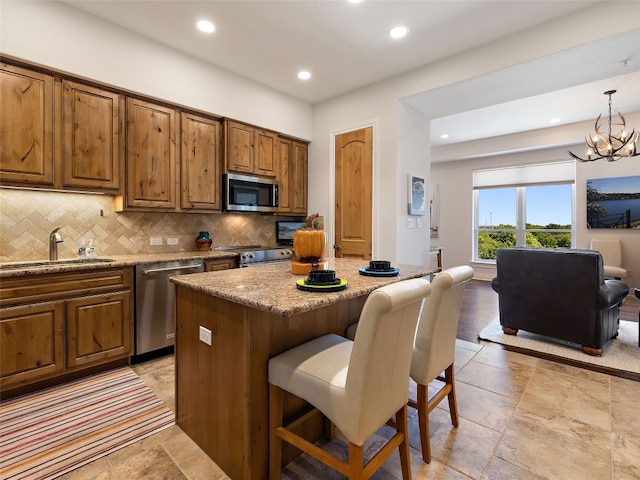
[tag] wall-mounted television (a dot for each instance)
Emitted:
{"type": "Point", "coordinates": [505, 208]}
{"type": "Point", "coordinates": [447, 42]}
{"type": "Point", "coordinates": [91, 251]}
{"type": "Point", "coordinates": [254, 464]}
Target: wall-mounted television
{"type": "Point", "coordinates": [613, 202]}
{"type": "Point", "coordinates": [285, 231]}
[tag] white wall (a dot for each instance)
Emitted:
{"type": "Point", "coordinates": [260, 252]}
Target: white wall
{"type": "Point", "coordinates": [63, 38]}
{"type": "Point", "coordinates": [395, 153]}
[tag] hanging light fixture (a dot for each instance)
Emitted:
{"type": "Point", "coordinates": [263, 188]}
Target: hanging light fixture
{"type": "Point", "coordinates": [608, 146]}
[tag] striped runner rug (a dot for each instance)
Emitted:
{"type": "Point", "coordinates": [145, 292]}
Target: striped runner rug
{"type": "Point", "coordinates": [48, 433]}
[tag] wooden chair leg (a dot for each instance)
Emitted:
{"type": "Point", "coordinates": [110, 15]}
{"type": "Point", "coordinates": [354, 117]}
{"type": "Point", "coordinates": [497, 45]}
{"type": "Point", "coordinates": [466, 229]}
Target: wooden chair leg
{"type": "Point", "coordinates": [356, 462]}
{"type": "Point", "coordinates": [276, 399]}
{"type": "Point", "coordinates": [453, 404]}
{"type": "Point", "coordinates": [403, 428]}
{"type": "Point", "coordinates": [330, 428]}
{"type": "Point", "coordinates": [423, 422]}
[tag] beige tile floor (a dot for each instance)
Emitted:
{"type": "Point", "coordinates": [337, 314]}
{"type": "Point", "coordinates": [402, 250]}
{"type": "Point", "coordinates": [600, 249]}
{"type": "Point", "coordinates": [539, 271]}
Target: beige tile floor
{"type": "Point", "coordinates": [520, 418]}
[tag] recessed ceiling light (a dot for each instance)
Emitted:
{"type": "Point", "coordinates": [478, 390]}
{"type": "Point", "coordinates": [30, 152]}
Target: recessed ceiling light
{"type": "Point", "coordinates": [554, 120]}
{"type": "Point", "coordinates": [398, 32]}
{"type": "Point", "coordinates": [206, 26]}
{"type": "Point", "coordinates": [358, 1]}
{"type": "Point", "coordinates": [444, 136]}
{"type": "Point", "coordinates": [304, 75]}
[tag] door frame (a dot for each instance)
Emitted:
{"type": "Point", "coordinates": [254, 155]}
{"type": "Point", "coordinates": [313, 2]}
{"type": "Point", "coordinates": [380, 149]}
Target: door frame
{"type": "Point", "coordinates": [331, 233]}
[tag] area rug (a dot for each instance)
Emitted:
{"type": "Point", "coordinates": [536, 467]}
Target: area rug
{"type": "Point", "coordinates": [48, 433]}
{"type": "Point", "coordinates": [620, 357]}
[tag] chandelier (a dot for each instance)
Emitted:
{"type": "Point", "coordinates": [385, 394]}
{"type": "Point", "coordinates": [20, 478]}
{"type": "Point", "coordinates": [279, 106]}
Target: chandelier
{"type": "Point", "coordinates": [607, 146]}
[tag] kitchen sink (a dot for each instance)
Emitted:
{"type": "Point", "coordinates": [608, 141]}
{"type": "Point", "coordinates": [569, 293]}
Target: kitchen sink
{"type": "Point", "coordinates": [52, 263]}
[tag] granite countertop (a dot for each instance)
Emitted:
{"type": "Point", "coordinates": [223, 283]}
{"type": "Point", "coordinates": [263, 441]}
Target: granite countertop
{"type": "Point", "coordinates": [272, 287]}
{"type": "Point", "coordinates": [17, 269]}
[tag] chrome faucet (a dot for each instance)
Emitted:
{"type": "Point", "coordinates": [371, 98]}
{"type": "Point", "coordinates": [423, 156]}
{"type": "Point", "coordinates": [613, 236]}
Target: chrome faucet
{"type": "Point", "coordinates": [54, 240]}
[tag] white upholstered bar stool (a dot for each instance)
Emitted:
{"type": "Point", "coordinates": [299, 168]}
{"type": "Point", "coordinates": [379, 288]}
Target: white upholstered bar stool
{"type": "Point", "coordinates": [434, 348]}
{"type": "Point", "coordinates": [358, 385]}
{"type": "Point", "coordinates": [611, 251]}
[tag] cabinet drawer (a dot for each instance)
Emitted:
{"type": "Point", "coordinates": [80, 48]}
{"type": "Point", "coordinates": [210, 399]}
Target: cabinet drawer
{"type": "Point", "coordinates": [38, 287]}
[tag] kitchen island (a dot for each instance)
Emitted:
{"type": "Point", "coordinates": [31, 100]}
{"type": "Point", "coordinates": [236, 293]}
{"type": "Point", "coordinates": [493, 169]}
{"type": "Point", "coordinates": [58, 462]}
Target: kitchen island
{"type": "Point", "coordinates": [253, 314]}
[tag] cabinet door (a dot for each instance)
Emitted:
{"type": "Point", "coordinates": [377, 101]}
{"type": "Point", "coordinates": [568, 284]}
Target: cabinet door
{"type": "Point", "coordinates": [298, 178]}
{"type": "Point", "coordinates": [98, 328]}
{"type": "Point", "coordinates": [220, 264]}
{"type": "Point", "coordinates": [31, 342]}
{"type": "Point", "coordinates": [26, 126]}
{"type": "Point", "coordinates": [239, 152]}
{"type": "Point", "coordinates": [283, 174]}
{"type": "Point", "coordinates": [200, 163]}
{"type": "Point", "coordinates": [151, 155]}
{"type": "Point", "coordinates": [91, 126]}
{"type": "Point", "coordinates": [266, 152]}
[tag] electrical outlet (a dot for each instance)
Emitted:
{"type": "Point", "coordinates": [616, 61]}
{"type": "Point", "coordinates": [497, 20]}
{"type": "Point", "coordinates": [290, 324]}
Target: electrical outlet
{"type": "Point", "coordinates": [155, 241]}
{"type": "Point", "coordinates": [629, 273]}
{"type": "Point", "coordinates": [411, 222]}
{"type": "Point", "coordinates": [205, 335]}
{"type": "Point", "coordinates": [172, 241]}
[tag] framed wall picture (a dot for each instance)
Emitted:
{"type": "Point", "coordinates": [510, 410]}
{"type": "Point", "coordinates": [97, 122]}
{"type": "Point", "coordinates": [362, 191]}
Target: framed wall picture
{"type": "Point", "coordinates": [417, 195]}
{"type": "Point", "coordinates": [613, 202]}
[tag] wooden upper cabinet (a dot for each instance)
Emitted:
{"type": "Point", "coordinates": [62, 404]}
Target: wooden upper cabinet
{"type": "Point", "coordinates": [250, 150]}
{"type": "Point", "coordinates": [200, 163]}
{"type": "Point", "coordinates": [93, 150]}
{"type": "Point", "coordinates": [299, 178]}
{"type": "Point", "coordinates": [292, 176]}
{"type": "Point", "coordinates": [283, 174]}
{"type": "Point", "coordinates": [151, 155]}
{"type": "Point", "coordinates": [266, 152]}
{"type": "Point", "coordinates": [26, 126]}
{"type": "Point", "coordinates": [239, 140]}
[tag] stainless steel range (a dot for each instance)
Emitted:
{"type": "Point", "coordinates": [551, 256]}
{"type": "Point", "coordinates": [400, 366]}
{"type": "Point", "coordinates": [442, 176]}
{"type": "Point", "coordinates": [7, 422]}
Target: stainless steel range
{"type": "Point", "coordinates": [254, 255]}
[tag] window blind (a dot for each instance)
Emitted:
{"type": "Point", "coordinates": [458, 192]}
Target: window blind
{"type": "Point", "coordinates": [544, 173]}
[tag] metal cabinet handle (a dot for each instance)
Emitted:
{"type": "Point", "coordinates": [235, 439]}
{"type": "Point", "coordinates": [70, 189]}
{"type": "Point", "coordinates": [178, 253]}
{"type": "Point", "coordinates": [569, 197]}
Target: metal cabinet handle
{"type": "Point", "coordinates": [337, 247]}
{"type": "Point", "coordinates": [169, 269]}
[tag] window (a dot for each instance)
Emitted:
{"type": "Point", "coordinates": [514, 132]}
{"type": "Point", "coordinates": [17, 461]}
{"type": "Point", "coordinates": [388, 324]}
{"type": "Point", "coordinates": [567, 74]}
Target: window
{"type": "Point", "coordinates": [523, 206]}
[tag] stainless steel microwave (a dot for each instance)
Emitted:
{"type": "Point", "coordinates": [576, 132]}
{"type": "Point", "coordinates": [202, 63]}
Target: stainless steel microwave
{"type": "Point", "coordinates": [244, 193]}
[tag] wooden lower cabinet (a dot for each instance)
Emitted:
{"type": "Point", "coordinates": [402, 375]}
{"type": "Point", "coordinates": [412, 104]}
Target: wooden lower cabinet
{"type": "Point", "coordinates": [97, 328]}
{"type": "Point", "coordinates": [220, 264]}
{"type": "Point", "coordinates": [57, 324]}
{"type": "Point", "coordinates": [31, 342]}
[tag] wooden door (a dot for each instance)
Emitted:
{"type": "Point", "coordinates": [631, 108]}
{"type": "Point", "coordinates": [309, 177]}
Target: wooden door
{"type": "Point", "coordinates": [26, 126]}
{"type": "Point", "coordinates": [239, 150]}
{"type": "Point", "coordinates": [353, 218]}
{"type": "Point", "coordinates": [92, 146]}
{"type": "Point", "coordinates": [200, 163]}
{"type": "Point", "coordinates": [283, 175]}
{"type": "Point", "coordinates": [298, 178]}
{"type": "Point", "coordinates": [151, 155]}
{"type": "Point", "coordinates": [266, 152]}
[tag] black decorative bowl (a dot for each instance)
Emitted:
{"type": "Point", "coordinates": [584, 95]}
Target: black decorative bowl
{"type": "Point", "coordinates": [379, 266]}
{"type": "Point", "coordinates": [321, 277]}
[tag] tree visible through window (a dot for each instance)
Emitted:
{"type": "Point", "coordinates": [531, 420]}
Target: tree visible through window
{"type": "Point", "coordinates": [531, 215]}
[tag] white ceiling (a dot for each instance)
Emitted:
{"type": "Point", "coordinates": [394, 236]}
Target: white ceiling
{"type": "Point", "coordinates": [346, 46]}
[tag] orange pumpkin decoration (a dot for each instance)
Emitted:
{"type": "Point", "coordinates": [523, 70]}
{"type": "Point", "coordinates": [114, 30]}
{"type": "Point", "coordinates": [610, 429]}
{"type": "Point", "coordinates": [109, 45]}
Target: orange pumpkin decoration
{"type": "Point", "coordinates": [308, 244]}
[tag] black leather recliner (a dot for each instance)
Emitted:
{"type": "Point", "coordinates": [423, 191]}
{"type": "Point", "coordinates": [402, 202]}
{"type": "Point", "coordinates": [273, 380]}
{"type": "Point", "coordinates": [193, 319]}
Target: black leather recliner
{"type": "Point", "coordinates": [560, 293]}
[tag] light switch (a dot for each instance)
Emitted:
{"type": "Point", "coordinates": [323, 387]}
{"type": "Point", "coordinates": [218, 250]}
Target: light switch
{"type": "Point", "coordinates": [411, 223]}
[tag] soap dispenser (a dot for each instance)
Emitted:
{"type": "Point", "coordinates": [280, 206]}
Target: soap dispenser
{"type": "Point", "coordinates": [91, 249]}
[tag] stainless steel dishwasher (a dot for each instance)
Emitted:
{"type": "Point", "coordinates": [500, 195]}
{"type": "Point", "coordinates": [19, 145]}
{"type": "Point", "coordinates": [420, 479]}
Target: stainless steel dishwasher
{"type": "Point", "coordinates": [154, 327]}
